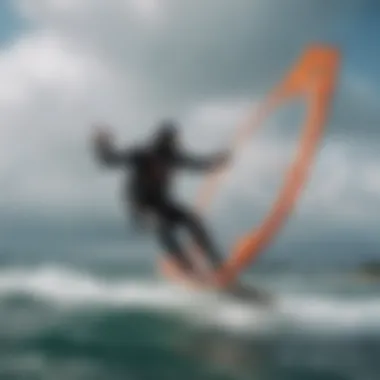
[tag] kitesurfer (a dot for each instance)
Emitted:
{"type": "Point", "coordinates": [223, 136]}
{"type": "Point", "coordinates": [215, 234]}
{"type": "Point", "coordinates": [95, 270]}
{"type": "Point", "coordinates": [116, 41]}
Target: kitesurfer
{"type": "Point", "coordinates": [152, 167]}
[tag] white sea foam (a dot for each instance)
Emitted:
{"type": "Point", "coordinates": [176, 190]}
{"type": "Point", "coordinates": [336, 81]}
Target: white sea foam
{"type": "Point", "coordinates": [310, 313]}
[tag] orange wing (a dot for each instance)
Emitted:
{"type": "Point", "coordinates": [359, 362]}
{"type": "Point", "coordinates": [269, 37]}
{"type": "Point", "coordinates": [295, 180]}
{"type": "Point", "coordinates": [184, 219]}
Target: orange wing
{"type": "Point", "coordinates": [313, 77]}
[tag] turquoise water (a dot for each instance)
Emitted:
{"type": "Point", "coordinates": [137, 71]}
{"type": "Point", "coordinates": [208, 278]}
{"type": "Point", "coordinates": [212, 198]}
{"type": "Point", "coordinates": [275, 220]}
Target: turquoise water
{"type": "Point", "coordinates": [63, 320]}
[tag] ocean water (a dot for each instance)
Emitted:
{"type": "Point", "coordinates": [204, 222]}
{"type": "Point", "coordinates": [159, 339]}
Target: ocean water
{"type": "Point", "coordinates": [61, 320]}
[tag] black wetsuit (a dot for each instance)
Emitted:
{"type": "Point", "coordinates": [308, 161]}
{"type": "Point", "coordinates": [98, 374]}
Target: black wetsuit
{"type": "Point", "coordinates": [148, 191]}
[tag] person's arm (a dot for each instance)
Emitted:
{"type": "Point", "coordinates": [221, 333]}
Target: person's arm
{"type": "Point", "coordinates": [105, 151]}
{"type": "Point", "coordinates": [107, 155]}
{"type": "Point", "coordinates": [213, 162]}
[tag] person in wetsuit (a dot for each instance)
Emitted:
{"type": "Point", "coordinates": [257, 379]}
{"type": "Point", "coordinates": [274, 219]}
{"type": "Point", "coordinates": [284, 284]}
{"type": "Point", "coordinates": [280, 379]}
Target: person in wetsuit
{"type": "Point", "coordinates": [148, 192]}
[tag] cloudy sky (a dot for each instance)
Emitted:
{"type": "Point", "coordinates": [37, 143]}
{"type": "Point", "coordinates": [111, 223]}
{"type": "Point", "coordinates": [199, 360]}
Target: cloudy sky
{"type": "Point", "coordinates": [65, 64]}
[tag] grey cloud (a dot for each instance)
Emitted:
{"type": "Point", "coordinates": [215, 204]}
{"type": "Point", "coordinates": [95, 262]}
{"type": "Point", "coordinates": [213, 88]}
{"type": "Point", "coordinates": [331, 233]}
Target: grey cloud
{"type": "Point", "coordinates": [208, 49]}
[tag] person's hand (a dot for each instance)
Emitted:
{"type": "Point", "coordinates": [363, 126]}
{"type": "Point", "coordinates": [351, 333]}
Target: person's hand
{"type": "Point", "coordinates": [102, 134]}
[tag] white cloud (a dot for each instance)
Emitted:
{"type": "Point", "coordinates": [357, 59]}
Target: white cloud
{"type": "Point", "coordinates": [43, 62]}
{"type": "Point", "coordinates": [149, 10]}
{"type": "Point", "coordinates": [46, 89]}
{"type": "Point", "coordinates": [47, 8]}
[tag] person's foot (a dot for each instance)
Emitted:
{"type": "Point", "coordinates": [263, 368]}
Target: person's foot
{"type": "Point", "coordinates": [247, 293]}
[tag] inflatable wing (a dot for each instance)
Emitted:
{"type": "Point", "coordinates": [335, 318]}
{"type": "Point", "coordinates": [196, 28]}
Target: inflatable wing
{"type": "Point", "coordinates": [313, 77]}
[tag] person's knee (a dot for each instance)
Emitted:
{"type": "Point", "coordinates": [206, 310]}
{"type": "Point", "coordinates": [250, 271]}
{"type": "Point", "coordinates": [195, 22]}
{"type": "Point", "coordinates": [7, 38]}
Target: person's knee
{"type": "Point", "coordinates": [188, 216]}
{"type": "Point", "coordinates": [194, 223]}
{"type": "Point", "coordinates": [178, 215]}
{"type": "Point", "coordinates": [164, 233]}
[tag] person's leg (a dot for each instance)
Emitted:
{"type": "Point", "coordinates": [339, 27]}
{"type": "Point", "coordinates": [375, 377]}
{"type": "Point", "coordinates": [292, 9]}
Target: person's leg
{"type": "Point", "coordinates": [166, 234]}
{"type": "Point", "coordinates": [203, 240]}
{"type": "Point", "coordinates": [198, 232]}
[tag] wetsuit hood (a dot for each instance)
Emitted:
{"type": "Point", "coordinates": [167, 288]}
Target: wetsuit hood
{"type": "Point", "coordinates": [165, 138]}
